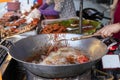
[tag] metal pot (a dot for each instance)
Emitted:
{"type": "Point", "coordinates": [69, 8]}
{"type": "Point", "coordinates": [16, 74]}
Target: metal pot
{"type": "Point", "coordinates": [25, 47]}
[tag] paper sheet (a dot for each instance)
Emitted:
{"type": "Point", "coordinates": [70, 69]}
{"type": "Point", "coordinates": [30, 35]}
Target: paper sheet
{"type": "Point", "coordinates": [111, 61]}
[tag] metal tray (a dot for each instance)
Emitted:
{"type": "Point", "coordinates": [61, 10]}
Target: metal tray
{"type": "Point", "coordinates": [96, 25]}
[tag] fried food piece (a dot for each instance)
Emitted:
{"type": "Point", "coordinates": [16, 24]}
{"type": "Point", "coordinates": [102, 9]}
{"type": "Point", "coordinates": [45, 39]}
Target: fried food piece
{"type": "Point", "coordinates": [53, 28]}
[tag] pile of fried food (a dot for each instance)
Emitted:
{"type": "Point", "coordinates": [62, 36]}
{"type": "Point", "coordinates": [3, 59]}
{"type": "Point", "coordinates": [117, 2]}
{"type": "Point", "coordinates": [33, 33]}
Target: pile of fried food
{"type": "Point", "coordinates": [69, 26]}
{"type": "Point", "coordinates": [53, 28]}
{"type": "Point", "coordinates": [11, 24]}
{"type": "Point", "coordinates": [12, 30]}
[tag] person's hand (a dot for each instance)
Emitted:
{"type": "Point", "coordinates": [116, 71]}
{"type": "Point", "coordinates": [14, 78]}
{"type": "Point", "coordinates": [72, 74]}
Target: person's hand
{"type": "Point", "coordinates": [49, 12]}
{"type": "Point", "coordinates": [111, 21]}
{"type": "Point", "coordinates": [109, 30]}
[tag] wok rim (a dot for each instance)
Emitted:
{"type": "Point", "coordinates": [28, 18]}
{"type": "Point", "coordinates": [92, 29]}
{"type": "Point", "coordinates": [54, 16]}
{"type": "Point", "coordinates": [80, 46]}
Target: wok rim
{"type": "Point", "coordinates": [25, 62]}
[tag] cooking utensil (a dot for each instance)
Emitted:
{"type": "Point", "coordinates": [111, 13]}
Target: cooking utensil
{"type": "Point", "coordinates": [76, 28]}
{"type": "Point", "coordinates": [84, 37]}
{"type": "Point", "coordinates": [70, 29]}
{"type": "Point", "coordinates": [74, 25]}
{"type": "Point", "coordinates": [24, 48]}
{"type": "Point", "coordinates": [81, 37]}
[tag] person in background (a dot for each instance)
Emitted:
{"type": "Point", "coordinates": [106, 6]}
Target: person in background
{"type": "Point", "coordinates": [115, 15]}
{"type": "Point", "coordinates": [40, 2]}
{"type": "Point", "coordinates": [0, 76]}
{"type": "Point", "coordinates": [109, 30]}
{"type": "Point", "coordinates": [62, 8]}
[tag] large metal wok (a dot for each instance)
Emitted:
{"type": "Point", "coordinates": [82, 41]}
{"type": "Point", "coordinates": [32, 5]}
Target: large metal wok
{"type": "Point", "coordinates": [25, 48]}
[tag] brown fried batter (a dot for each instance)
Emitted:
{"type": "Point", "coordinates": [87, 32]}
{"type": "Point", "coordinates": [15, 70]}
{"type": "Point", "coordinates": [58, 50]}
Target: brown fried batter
{"type": "Point", "coordinates": [53, 28]}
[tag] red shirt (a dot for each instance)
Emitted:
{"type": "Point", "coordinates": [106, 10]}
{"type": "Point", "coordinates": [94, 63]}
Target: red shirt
{"type": "Point", "coordinates": [117, 18]}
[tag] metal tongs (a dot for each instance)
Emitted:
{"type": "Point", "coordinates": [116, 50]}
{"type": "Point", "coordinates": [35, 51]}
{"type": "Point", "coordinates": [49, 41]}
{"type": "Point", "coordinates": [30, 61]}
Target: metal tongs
{"type": "Point", "coordinates": [81, 37]}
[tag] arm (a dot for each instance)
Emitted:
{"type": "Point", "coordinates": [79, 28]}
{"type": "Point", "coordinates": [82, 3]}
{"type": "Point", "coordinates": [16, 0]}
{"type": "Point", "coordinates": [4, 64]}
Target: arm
{"type": "Point", "coordinates": [109, 30]}
{"type": "Point", "coordinates": [114, 4]}
{"type": "Point", "coordinates": [112, 7]}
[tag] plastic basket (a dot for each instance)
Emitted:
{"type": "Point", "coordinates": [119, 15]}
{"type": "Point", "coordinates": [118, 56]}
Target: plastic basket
{"type": "Point", "coordinates": [13, 6]}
